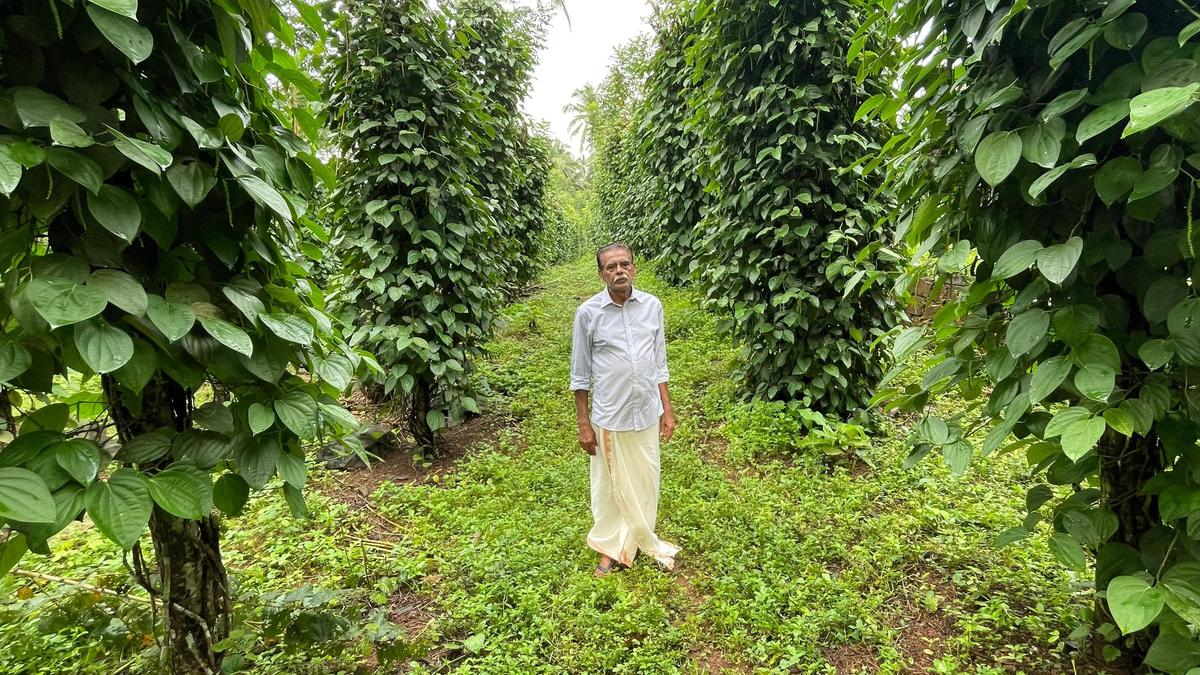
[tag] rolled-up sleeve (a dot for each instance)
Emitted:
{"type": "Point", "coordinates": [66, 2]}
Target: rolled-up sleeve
{"type": "Point", "coordinates": [660, 350]}
{"type": "Point", "coordinates": [581, 353]}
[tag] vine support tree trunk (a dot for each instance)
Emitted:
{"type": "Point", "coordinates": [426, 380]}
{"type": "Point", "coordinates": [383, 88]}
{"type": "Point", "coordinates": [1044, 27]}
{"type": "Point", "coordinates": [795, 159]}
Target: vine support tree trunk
{"type": "Point", "coordinates": [193, 590]}
{"type": "Point", "coordinates": [1126, 464]}
{"type": "Point", "coordinates": [418, 413]}
{"type": "Point", "coordinates": [193, 585]}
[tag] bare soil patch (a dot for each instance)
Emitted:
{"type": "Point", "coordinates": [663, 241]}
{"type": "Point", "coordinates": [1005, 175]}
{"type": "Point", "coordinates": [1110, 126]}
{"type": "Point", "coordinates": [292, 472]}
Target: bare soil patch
{"type": "Point", "coordinates": [401, 462]}
{"type": "Point", "coordinates": [923, 637]}
{"type": "Point", "coordinates": [712, 450]}
{"type": "Point", "coordinates": [411, 611]}
{"type": "Point", "coordinates": [710, 660]}
{"type": "Point", "coordinates": [851, 659]}
{"type": "Point", "coordinates": [924, 632]}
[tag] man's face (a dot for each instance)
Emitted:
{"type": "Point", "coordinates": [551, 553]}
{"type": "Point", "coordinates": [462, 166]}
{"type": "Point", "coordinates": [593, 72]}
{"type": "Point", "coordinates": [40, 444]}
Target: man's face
{"type": "Point", "coordinates": [617, 271]}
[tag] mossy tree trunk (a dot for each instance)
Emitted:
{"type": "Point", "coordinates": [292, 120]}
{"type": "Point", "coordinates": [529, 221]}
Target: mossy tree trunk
{"type": "Point", "coordinates": [192, 587]}
{"type": "Point", "coordinates": [418, 413]}
{"type": "Point", "coordinates": [193, 590]}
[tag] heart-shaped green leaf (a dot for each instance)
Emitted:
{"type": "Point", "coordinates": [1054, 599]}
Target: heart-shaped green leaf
{"type": "Point", "coordinates": [80, 458]}
{"type": "Point", "coordinates": [1026, 330]}
{"type": "Point", "coordinates": [1057, 262]}
{"type": "Point", "coordinates": [997, 155]}
{"type": "Point", "coordinates": [192, 180]}
{"type": "Point", "coordinates": [174, 319]}
{"type": "Point", "coordinates": [298, 412]}
{"type": "Point", "coordinates": [230, 494]}
{"type": "Point", "coordinates": [183, 490]}
{"type": "Point", "coordinates": [14, 360]}
{"type": "Point", "coordinates": [1148, 109]}
{"type": "Point", "coordinates": [256, 460]}
{"type": "Point", "coordinates": [1133, 603]}
{"type": "Point", "coordinates": [124, 33]}
{"type": "Point", "coordinates": [24, 497]}
{"type": "Point", "coordinates": [1102, 119]}
{"type": "Point", "coordinates": [62, 304]}
{"type": "Point", "coordinates": [260, 418]}
{"type": "Point", "coordinates": [123, 7]}
{"type": "Point", "coordinates": [120, 506]}
{"type": "Point", "coordinates": [121, 290]}
{"type": "Point", "coordinates": [116, 211]}
{"type": "Point", "coordinates": [228, 334]}
{"type": "Point", "coordinates": [103, 347]}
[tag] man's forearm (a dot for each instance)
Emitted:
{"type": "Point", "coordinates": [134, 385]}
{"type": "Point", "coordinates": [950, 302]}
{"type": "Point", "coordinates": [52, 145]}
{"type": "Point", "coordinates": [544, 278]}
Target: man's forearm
{"type": "Point", "coordinates": [666, 398]}
{"type": "Point", "coordinates": [581, 408]}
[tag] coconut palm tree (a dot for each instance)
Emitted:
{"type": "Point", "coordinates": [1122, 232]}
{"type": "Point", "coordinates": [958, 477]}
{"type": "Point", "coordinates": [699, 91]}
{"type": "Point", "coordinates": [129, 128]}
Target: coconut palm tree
{"type": "Point", "coordinates": [585, 111]}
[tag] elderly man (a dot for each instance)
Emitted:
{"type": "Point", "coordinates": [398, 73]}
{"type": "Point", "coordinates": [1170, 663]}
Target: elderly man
{"type": "Point", "coordinates": [618, 352]}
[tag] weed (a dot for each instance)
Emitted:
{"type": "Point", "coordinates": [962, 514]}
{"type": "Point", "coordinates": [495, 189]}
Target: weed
{"type": "Point", "coordinates": [786, 565]}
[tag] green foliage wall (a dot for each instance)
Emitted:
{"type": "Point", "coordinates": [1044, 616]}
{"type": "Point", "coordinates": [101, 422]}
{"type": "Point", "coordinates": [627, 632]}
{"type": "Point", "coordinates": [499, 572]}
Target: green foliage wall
{"type": "Point", "coordinates": [441, 196]}
{"type": "Point", "coordinates": [153, 209]}
{"type": "Point", "coordinates": [533, 210]}
{"type": "Point", "coordinates": [672, 151]}
{"type": "Point", "coordinates": [745, 182]}
{"type": "Point", "coordinates": [515, 162]}
{"type": "Point", "coordinates": [619, 185]}
{"type": "Point", "coordinates": [618, 180]}
{"type": "Point", "coordinates": [1058, 159]}
{"type": "Point", "coordinates": [565, 238]}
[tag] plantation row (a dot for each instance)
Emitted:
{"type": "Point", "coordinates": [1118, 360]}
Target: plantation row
{"type": "Point", "coordinates": [186, 210]}
{"type": "Point", "coordinates": [806, 164]}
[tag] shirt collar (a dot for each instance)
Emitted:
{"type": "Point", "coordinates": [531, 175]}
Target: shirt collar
{"type": "Point", "coordinates": [607, 299]}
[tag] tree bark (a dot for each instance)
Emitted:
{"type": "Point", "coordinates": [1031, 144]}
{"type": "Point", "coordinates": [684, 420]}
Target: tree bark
{"type": "Point", "coordinates": [192, 586]}
{"type": "Point", "coordinates": [195, 599]}
{"type": "Point", "coordinates": [418, 424]}
{"type": "Point", "coordinates": [6, 411]}
{"type": "Point", "coordinates": [220, 393]}
{"type": "Point", "coordinates": [1126, 464]}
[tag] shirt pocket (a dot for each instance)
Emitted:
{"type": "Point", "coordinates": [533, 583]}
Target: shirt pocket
{"type": "Point", "coordinates": [643, 342]}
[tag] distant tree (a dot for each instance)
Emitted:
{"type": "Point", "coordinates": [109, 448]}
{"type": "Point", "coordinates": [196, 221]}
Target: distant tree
{"type": "Point", "coordinates": [585, 111]}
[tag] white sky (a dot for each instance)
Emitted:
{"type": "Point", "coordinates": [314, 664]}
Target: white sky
{"type": "Point", "coordinates": [579, 55]}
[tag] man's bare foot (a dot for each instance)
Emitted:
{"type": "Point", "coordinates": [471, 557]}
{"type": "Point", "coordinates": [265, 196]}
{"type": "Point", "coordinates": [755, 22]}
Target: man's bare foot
{"type": "Point", "coordinates": [606, 565]}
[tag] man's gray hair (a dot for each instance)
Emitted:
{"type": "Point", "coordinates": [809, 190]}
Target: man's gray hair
{"type": "Point", "coordinates": [612, 247]}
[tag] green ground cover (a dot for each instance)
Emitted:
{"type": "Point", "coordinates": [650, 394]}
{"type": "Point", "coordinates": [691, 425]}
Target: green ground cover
{"type": "Point", "coordinates": [789, 562]}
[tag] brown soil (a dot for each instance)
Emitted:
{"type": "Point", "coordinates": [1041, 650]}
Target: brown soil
{"type": "Point", "coordinates": [923, 636]}
{"type": "Point", "coordinates": [412, 612]}
{"type": "Point", "coordinates": [712, 451]}
{"type": "Point", "coordinates": [924, 633]}
{"type": "Point", "coordinates": [922, 639]}
{"type": "Point", "coordinates": [858, 468]}
{"type": "Point", "coordinates": [405, 465]}
{"type": "Point", "coordinates": [709, 660]}
{"type": "Point", "coordinates": [848, 659]}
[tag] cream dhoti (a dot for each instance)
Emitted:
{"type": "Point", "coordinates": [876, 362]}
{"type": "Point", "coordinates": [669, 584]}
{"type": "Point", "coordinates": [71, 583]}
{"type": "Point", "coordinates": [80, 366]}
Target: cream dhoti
{"type": "Point", "coordinates": [624, 473]}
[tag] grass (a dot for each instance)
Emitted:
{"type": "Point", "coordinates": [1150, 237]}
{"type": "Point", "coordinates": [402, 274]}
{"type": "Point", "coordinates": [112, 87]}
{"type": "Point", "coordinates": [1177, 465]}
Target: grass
{"type": "Point", "coordinates": [789, 563]}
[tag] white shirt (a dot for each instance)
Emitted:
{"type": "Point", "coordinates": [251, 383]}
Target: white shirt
{"type": "Point", "coordinates": [623, 349]}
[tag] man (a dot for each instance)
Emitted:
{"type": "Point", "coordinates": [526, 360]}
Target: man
{"type": "Point", "coordinates": [619, 352]}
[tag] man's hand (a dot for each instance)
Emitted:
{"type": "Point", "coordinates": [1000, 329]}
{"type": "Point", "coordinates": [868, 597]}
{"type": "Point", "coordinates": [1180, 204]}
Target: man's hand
{"type": "Point", "coordinates": [587, 439]}
{"type": "Point", "coordinates": [666, 426]}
